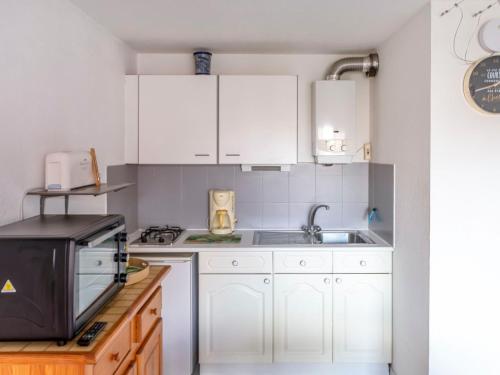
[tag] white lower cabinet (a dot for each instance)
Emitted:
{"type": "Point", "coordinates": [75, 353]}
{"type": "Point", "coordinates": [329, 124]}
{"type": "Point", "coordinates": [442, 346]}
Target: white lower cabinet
{"type": "Point", "coordinates": [362, 318]}
{"type": "Point", "coordinates": [342, 320]}
{"type": "Point", "coordinates": [303, 318]}
{"type": "Point", "coordinates": [236, 318]}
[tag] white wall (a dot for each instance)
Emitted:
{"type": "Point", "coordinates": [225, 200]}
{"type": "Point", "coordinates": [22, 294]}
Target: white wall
{"type": "Point", "coordinates": [62, 78]}
{"type": "Point", "coordinates": [400, 136]}
{"type": "Point", "coordinates": [309, 68]}
{"type": "Point", "coordinates": [465, 201]}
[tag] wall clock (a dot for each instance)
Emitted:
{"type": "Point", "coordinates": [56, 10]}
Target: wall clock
{"type": "Point", "coordinates": [482, 85]}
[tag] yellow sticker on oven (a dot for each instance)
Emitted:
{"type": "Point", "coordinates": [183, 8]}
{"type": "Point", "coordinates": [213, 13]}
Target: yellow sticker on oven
{"type": "Point", "coordinates": [8, 287]}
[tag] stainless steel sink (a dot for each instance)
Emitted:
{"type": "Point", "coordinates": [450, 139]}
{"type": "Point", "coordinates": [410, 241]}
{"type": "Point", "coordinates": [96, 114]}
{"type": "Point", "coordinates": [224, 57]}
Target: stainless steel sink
{"type": "Point", "coordinates": [282, 238]}
{"type": "Point", "coordinates": [302, 238]}
{"type": "Point", "coordinates": [338, 237]}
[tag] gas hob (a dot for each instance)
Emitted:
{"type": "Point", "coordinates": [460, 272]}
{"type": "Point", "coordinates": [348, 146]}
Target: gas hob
{"type": "Point", "coordinates": [155, 236]}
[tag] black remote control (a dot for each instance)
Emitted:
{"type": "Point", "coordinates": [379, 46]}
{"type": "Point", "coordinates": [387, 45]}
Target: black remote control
{"type": "Point", "coordinates": [91, 333]}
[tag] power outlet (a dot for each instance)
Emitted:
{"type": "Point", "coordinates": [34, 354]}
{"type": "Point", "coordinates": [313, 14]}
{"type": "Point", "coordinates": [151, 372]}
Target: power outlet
{"type": "Point", "coordinates": [367, 151]}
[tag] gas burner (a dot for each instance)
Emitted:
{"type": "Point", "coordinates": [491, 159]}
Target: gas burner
{"type": "Point", "coordinates": [159, 235]}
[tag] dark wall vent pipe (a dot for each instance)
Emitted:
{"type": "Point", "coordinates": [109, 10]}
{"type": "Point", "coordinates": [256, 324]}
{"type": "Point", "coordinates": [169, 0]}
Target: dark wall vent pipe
{"type": "Point", "coordinates": [367, 64]}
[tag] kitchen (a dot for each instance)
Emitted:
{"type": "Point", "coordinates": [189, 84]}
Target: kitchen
{"type": "Point", "coordinates": [374, 282]}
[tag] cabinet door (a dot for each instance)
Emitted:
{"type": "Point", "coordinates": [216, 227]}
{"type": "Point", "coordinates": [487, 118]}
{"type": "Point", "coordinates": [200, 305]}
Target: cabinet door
{"type": "Point", "coordinates": [258, 119]}
{"type": "Point", "coordinates": [178, 120]}
{"type": "Point", "coordinates": [303, 318]}
{"type": "Point", "coordinates": [131, 145]}
{"type": "Point", "coordinates": [235, 319]}
{"type": "Point", "coordinates": [131, 369]}
{"type": "Point", "coordinates": [362, 318]}
{"type": "Point", "coordinates": [149, 357]}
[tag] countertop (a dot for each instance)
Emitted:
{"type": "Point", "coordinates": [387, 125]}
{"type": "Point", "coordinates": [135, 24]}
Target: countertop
{"type": "Point", "coordinates": [246, 244]}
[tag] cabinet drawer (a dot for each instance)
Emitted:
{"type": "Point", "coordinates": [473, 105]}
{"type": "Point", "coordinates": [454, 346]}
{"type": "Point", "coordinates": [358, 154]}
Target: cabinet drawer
{"type": "Point", "coordinates": [148, 315]}
{"type": "Point", "coordinates": [115, 352]}
{"type": "Point", "coordinates": [373, 262]}
{"type": "Point", "coordinates": [236, 262]}
{"type": "Point", "coordinates": [302, 262]}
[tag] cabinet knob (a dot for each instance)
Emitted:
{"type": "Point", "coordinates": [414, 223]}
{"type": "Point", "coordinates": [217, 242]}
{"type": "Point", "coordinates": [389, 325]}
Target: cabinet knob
{"type": "Point", "coordinates": [266, 281]}
{"type": "Point", "coordinates": [327, 281]}
{"type": "Point", "coordinates": [338, 280]}
{"type": "Point", "coordinates": [154, 311]}
{"type": "Point", "coordinates": [99, 263]}
{"type": "Point", "coordinates": [235, 263]}
{"type": "Point", "coordinates": [115, 357]}
{"type": "Point", "coordinates": [302, 263]}
{"type": "Point", "coordinates": [363, 263]}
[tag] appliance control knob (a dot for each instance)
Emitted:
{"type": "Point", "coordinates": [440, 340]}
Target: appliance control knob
{"type": "Point", "coordinates": [327, 281]}
{"type": "Point", "coordinates": [235, 263]}
{"type": "Point", "coordinates": [123, 278]}
{"type": "Point", "coordinates": [362, 263]}
{"type": "Point", "coordinates": [338, 280]}
{"type": "Point", "coordinates": [267, 281]}
{"type": "Point", "coordinates": [302, 263]}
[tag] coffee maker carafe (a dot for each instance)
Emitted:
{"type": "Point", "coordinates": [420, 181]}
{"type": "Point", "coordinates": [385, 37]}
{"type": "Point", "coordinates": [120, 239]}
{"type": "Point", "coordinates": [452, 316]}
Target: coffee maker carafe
{"type": "Point", "coordinates": [222, 209]}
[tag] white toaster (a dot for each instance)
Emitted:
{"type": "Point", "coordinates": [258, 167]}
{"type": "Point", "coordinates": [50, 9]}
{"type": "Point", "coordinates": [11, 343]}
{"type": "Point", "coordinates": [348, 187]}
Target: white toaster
{"type": "Point", "coordinates": [68, 170]}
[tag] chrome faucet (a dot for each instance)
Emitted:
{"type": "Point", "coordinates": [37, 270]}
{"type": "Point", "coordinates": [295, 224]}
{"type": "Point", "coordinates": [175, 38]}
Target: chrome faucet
{"type": "Point", "coordinates": [312, 228]}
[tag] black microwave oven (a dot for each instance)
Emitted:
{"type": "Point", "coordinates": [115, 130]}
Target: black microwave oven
{"type": "Point", "coordinates": [56, 272]}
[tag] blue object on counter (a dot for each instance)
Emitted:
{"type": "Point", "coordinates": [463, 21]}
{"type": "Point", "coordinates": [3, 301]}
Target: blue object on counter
{"type": "Point", "coordinates": [202, 62]}
{"type": "Point", "coordinates": [373, 216]}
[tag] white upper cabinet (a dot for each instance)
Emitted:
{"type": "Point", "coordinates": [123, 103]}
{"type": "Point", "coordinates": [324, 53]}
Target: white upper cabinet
{"type": "Point", "coordinates": [303, 318]}
{"type": "Point", "coordinates": [258, 120]}
{"type": "Point", "coordinates": [362, 318]}
{"type": "Point", "coordinates": [177, 119]}
{"type": "Point", "coordinates": [131, 146]}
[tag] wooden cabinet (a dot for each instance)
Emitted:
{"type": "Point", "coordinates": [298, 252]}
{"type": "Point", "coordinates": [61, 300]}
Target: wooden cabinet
{"type": "Point", "coordinates": [235, 318]}
{"type": "Point", "coordinates": [362, 318]}
{"type": "Point", "coordinates": [303, 318]}
{"type": "Point", "coordinates": [149, 356]}
{"type": "Point", "coordinates": [177, 119]}
{"type": "Point", "coordinates": [257, 119]}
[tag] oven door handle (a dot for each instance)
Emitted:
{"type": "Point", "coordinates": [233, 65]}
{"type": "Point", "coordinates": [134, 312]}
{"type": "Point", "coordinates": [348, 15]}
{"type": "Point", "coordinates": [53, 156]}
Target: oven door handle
{"type": "Point", "coordinates": [99, 240]}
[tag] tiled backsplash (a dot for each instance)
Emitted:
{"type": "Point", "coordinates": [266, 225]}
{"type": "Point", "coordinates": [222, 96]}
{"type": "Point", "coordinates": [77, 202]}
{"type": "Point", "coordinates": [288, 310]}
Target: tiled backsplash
{"type": "Point", "coordinates": [381, 195]}
{"type": "Point", "coordinates": [173, 194]}
{"type": "Point", "coordinates": [124, 201]}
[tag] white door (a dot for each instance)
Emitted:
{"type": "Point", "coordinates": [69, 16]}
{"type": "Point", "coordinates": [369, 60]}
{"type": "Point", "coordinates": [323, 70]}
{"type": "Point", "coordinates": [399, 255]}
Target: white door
{"type": "Point", "coordinates": [362, 318]}
{"type": "Point", "coordinates": [258, 119]}
{"type": "Point", "coordinates": [303, 318]}
{"type": "Point", "coordinates": [177, 119]}
{"type": "Point", "coordinates": [235, 318]}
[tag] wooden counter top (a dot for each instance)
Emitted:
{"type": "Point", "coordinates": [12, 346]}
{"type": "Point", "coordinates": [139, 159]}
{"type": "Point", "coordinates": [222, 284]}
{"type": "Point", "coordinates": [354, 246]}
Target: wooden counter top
{"type": "Point", "coordinates": [120, 310]}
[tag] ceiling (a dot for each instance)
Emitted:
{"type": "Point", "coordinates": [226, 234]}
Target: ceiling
{"type": "Point", "coordinates": [252, 26]}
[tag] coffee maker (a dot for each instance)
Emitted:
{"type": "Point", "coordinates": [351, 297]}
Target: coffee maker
{"type": "Point", "coordinates": [222, 209]}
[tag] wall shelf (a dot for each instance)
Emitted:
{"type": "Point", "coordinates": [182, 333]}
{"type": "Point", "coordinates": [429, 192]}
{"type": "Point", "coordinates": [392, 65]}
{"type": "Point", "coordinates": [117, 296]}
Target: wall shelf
{"type": "Point", "coordinates": [86, 190]}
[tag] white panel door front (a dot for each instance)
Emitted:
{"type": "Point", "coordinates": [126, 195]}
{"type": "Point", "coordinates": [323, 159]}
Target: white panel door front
{"type": "Point", "coordinates": [362, 318]}
{"type": "Point", "coordinates": [177, 119]}
{"type": "Point", "coordinates": [303, 318]}
{"type": "Point", "coordinates": [235, 318]}
{"type": "Point", "coordinates": [258, 120]}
